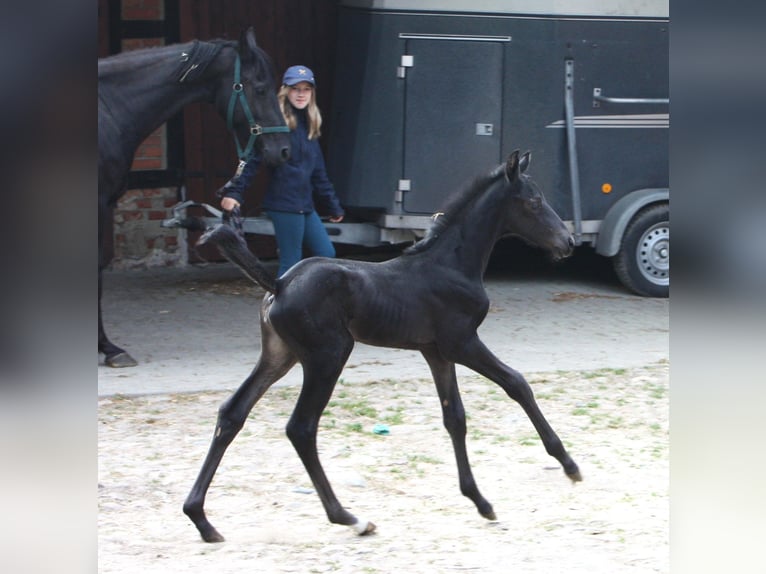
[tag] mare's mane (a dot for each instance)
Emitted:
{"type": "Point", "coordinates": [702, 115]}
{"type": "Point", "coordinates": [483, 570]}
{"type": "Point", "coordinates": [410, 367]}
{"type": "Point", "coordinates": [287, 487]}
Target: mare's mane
{"type": "Point", "coordinates": [454, 210]}
{"type": "Point", "coordinates": [200, 54]}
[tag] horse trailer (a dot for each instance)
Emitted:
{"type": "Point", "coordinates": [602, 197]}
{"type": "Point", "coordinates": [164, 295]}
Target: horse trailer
{"type": "Point", "coordinates": [429, 93]}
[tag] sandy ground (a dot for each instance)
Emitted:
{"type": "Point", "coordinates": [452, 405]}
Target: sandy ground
{"type": "Point", "coordinates": [597, 359]}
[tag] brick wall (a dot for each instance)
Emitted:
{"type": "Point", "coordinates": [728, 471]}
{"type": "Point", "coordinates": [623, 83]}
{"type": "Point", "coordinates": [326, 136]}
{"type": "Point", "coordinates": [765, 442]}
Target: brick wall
{"type": "Point", "coordinates": [139, 241]}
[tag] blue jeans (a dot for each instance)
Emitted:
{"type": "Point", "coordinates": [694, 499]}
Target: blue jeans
{"type": "Point", "coordinates": [293, 231]}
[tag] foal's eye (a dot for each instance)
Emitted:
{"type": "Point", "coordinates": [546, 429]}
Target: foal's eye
{"type": "Point", "coordinates": [535, 203]}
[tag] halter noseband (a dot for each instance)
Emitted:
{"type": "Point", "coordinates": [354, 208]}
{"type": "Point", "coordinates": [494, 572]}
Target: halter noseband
{"type": "Point", "coordinates": [238, 94]}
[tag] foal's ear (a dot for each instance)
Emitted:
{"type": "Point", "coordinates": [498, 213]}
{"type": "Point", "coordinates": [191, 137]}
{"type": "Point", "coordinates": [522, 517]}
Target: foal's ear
{"type": "Point", "coordinates": [512, 166]}
{"type": "Point", "coordinates": [525, 161]}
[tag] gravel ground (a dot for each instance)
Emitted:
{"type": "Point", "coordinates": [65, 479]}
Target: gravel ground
{"type": "Point", "coordinates": [614, 423]}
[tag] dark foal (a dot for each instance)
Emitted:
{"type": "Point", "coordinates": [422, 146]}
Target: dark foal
{"type": "Point", "coordinates": [140, 90]}
{"type": "Point", "coordinates": [431, 298]}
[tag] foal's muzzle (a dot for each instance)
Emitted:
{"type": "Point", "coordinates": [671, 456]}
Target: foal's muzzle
{"type": "Point", "coordinates": [565, 250]}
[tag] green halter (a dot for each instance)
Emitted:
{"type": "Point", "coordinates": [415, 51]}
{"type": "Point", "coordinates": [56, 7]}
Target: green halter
{"type": "Point", "coordinates": [238, 94]}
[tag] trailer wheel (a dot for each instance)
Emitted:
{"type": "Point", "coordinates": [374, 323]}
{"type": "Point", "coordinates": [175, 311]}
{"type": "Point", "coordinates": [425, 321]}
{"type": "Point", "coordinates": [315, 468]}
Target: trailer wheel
{"type": "Point", "coordinates": [643, 261]}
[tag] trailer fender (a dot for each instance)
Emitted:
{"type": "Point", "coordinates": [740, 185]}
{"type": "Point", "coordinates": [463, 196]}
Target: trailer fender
{"type": "Point", "coordinates": [619, 215]}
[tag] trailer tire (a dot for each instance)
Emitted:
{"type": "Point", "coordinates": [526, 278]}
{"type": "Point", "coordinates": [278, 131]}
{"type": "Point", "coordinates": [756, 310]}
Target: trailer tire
{"type": "Point", "coordinates": [643, 260]}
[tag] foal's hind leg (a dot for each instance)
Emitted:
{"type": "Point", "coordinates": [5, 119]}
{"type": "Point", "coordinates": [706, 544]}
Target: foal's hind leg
{"type": "Point", "coordinates": [454, 421]}
{"type": "Point", "coordinates": [276, 359]}
{"type": "Point", "coordinates": [477, 357]}
{"type": "Point", "coordinates": [320, 373]}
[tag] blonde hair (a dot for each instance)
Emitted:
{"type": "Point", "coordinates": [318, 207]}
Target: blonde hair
{"type": "Point", "coordinates": [312, 112]}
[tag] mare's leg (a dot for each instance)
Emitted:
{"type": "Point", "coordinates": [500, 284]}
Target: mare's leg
{"type": "Point", "coordinates": [321, 369]}
{"type": "Point", "coordinates": [276, 359]}
{"type": "Point", "coordinates": [475, 355]}
{"type": "Point", "coordinates": [454, 421]}
{"type": "Point", "coordinates": [114, 356]}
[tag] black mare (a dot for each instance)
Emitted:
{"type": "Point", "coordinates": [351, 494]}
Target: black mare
{"type": "Point", "coordinates": [140, 90]}
{"type": "Point", "coordinates": [431, 299]}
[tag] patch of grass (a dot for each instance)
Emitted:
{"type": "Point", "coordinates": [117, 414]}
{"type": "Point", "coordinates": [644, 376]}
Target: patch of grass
{"type": "Point", "coordinates": [655, 390]}
{"type": "Point", "coordinates": [328, 422]}
{"type": "Point", "coordinates": [354, 427]}
{"type": "Point", "coordinates": [360, 408]}
{"type": "Point", "coordinates": [284, 393]}
{"type": "Point", "coordinates": [394, 418]}
{"type": "Point", "coordinates": [615, 422]}
{"type": "Point", "coordinates": [529, 440]}
{"type": "Point", "coordinates": [416, 458]}
{"type": "Point", "coordinates": [500, 439]}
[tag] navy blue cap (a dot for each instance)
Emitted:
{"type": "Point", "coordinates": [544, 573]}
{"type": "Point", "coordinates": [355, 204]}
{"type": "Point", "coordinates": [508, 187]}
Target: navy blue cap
{"type": "Point", "coordinates": [296, 74]}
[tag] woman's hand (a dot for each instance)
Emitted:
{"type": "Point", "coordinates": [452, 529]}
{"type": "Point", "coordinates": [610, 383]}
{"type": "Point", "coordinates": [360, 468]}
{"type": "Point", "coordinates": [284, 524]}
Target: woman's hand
{"type": "Point", "coordinates": [229, 203]}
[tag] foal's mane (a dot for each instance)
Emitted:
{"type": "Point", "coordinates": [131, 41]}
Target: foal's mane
{"type": "Point", "coordinates": [454, 209]}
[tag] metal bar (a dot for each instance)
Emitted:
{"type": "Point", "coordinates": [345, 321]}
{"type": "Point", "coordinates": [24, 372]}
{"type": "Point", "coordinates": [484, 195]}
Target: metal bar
{"type": "Point", "coordinates": [598, 97]}
{"type": "Point", "coordinates": [412, 36]}
{"type": "Point", "coordinates": [574, 172]}
{"type": "Point", "coordinates": [366, 234]}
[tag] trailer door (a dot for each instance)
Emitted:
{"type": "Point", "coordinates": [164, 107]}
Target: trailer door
{"type": "Point", "coordinates": [452, 115]}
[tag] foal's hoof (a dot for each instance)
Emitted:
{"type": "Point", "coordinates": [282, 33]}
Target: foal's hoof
{"type": "Point", "coordinates": [120, 360]}
{"type": "Point", "coordinates": [363, 528]}
{"type": "Point", "coordinates": [575, 476]}
{"type": "Point", "coordinates": [489, 515]}
{"type": "Point", "coordinates": [211, 535]}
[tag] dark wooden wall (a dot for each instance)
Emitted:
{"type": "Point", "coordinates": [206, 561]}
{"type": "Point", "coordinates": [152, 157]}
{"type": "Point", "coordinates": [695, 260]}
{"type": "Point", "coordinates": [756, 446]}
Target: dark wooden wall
{"type": "Point", "coordinates": [291, 31]}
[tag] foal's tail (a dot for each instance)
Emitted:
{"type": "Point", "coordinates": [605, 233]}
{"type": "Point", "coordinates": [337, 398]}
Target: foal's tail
{"type": "Point", "coordinates": [233, 246]}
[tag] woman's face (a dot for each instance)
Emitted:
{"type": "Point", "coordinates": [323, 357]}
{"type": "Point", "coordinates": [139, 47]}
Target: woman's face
{"type": "Point", "coordinates": [299, 95]}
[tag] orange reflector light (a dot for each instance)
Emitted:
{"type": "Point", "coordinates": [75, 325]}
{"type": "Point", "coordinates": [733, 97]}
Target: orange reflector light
{"type": "Point", "coordinates": [606, 188]}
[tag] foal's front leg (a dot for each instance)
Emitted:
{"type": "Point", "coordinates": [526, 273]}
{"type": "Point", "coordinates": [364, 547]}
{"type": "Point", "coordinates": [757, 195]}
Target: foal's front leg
{"type": "Point", "coordinates": [475, 355]}
{"type": "Point", "coordinates": [454, 421]}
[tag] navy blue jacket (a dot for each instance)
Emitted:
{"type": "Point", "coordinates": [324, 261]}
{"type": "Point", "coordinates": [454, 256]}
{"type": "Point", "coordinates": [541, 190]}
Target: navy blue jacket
{"type": "Point", "coordinates": [296, 186]}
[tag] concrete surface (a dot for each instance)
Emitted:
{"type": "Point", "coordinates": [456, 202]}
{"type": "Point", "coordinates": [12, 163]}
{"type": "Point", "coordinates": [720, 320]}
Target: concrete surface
{"type": "Point", "coordinates": [195, 328]}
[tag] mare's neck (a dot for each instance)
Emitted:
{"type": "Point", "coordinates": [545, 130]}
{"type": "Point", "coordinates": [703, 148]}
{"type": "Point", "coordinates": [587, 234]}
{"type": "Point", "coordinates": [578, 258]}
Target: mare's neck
{"type": "Point", "coordinates": [146, 93]}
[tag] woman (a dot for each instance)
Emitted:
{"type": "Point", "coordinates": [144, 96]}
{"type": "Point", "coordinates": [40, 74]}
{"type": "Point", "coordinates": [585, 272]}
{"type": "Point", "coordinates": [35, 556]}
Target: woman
{"type": "Point", "coordinates": [298, 183]}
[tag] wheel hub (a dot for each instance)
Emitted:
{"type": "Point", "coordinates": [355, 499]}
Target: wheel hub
{"type": "Point", "coordinates": [653, 254]}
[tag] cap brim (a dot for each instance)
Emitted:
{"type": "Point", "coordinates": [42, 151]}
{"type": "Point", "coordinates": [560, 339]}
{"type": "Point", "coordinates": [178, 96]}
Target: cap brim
{"type": "Point", "coordinates": [298, 81]}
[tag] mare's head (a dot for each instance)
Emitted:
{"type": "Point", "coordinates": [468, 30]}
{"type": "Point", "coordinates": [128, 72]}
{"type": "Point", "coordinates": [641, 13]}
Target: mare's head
{"type": "Point", "coordinates": [530, 217]}
{"type": "Point", "coordinates": [259, 87]}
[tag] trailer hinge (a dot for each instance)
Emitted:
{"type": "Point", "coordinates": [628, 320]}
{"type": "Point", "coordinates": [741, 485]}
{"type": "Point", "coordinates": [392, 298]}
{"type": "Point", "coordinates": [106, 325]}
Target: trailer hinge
{"type": "Point", "coordinates": [402, 187]}
{"type": "Point", "coordinates": [407, 61]}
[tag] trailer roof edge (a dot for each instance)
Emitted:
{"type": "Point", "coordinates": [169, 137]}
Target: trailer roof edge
{"type": "Point", "coordinates": [561, 8]}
